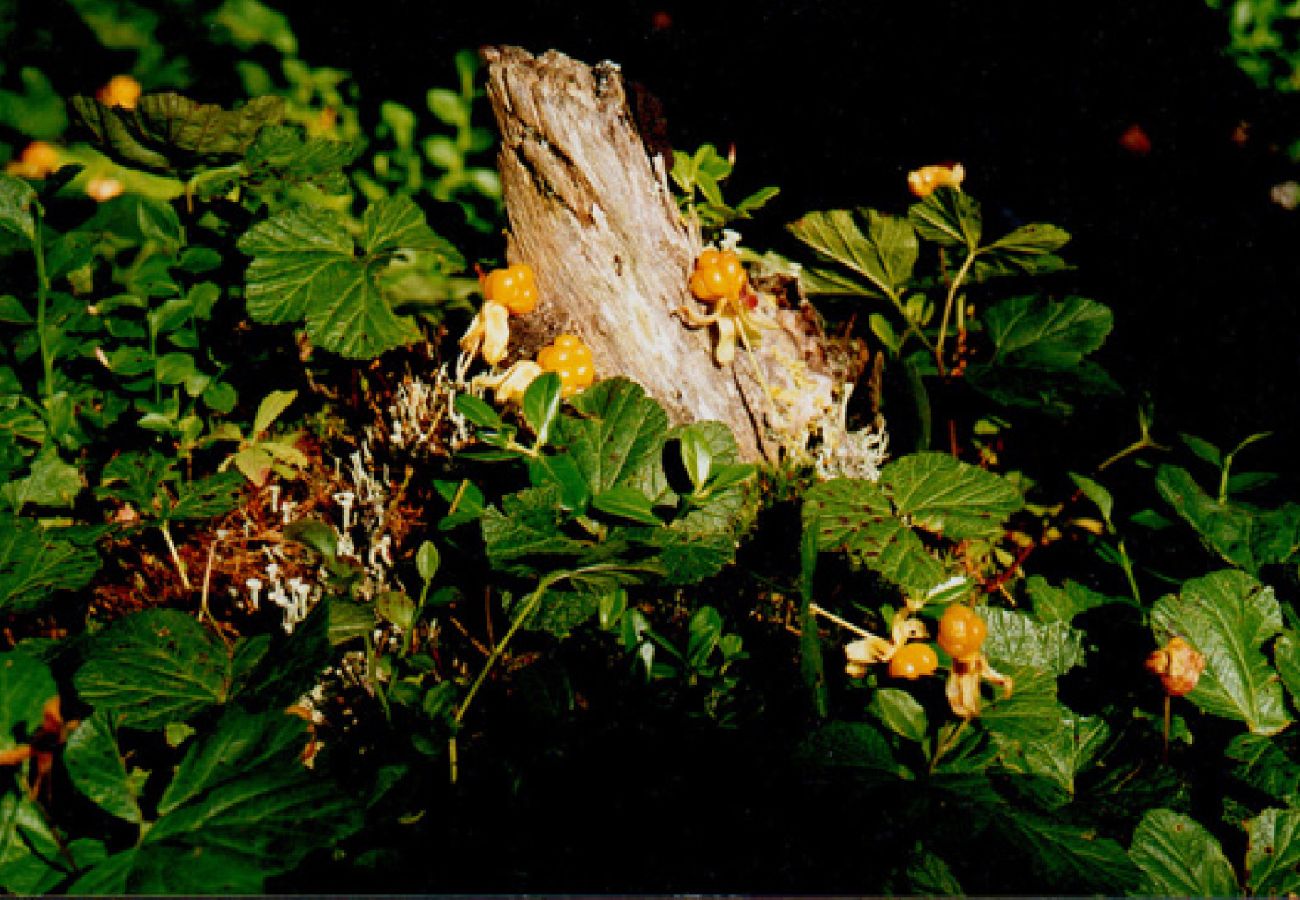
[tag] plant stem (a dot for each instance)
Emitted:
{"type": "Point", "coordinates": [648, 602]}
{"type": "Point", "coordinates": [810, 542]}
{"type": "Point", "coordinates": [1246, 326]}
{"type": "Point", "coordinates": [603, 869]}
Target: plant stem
{"type": "Point", "coordinates": [176, 557]}
{"type": "Point", "coordinates": [948, 304]}
{"type": "Point", "coordinates": [42, 301]}
{"type": "Point", "coordinates": [1127, 565]}
{"type": "Point", "coordinates": [843, 623]}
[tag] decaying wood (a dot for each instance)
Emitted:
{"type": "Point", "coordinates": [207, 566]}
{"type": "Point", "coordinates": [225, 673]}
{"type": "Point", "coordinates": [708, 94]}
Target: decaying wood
{"type": "Point", "coordinates": [591, 211]}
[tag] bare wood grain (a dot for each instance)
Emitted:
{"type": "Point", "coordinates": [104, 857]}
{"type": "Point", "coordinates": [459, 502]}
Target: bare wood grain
{"type": "Point", "coordinates": [591, 211]}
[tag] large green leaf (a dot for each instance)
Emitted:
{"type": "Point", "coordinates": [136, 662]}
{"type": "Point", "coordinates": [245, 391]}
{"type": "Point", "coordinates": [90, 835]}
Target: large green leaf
{"type": "Point", "coordinates": [885, 255]}
{"type": "Point", "coordinates": [1073, 857]}
{"type": "Point", "coordinates": [1067, 751]}
{"type": "Point", "coordinates": [1248, 538]}
{"type": "Point", "coordinates": [939, 493]}
{"type": "Point", "coordinates": [1228, 616]}
{"type": "Point", "coordinates": [1036, 332]}
{"type": "Point", "coordinates": [306, 266]}
{"type": "Point", "coordinates": [35, 563]}
{"type": "Point", "coordinates": [1015, 638]}
{"type": "Point", "coordinates": [96, 768]}
{"type": "Point", "coordinates": [32, 860]}
{"type": "Point", "coordinates": [1053, 604]}
{"type": "Point", "coordinates": [948, 217]}
{"type": "Point", "coordinates": [1031, 714]}
{"type": "Point", "coordinates": [167, 130]}
{"type": "Point", "coordinates": [855, 517]}
{"type": "Point", "coordinates": [854, 745]}
{"type": "Point", "coordinates": [51, 482]}
{"type": "Point", "coordinates": [526, 526]}
{"type": "Point", "coordinates": [17, 227]}
{"type": "Point", "coordinates": [25, 686]}
{"type": "Point", "coordinates": [1273, 855]}
{"type": "Point", "coordinates": [1028, 250]}
{"type": "Point", "coordinates": [1265, 766]}
{"type": "Point", "coordinates": [155, 667]}
{"type": "Point", "coordinates": [618, 433]}
{"type": "Point", "coordinates": [242, 798]}
{"type": "Point", "coordinates": [1179, 858]}
{"type": "Point", "coordinates": [900, 712]}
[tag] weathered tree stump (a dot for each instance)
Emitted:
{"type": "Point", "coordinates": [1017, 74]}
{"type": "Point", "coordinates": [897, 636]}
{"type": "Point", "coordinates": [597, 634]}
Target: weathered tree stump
{"type": "Point", "coordinates": [591, 211]}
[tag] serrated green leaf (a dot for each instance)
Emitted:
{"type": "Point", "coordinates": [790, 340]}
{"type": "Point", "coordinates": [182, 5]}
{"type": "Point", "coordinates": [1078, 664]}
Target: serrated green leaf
{"type": "Point", "coordinates": [1179, 858]}
{"type": "Point", "coordinates": [35, 563]}
{"type": "Point", "coordinates": [1016, 639]}
{"type": "Point", "coordinates": [1076, 858]}
{"type": "Point", "coordinates": [1265, 766]}
{"type": "Point", "coordinates": [619, 431]}
{"type": "Point", "coordinates": [855, 745]}
{"type": "Point", "coordinates": [348, 621]}
{"type": "Point", "coordinates": [305, 267]}
{"type": "Point", "coordinates": [32, 860]}
{"type": "Point", "coordinates": [1034, 332]}
{"type": "Point", "coordinates": [626, 503]}
{"type": "Point", "coordinates": [527, 525]}
{"type": "Point", "coordinates": [685, 555]}
{"type": "Point", "coordinates": [1052, 604]}
{"type": "Point", "coordinates": [206, 497]}
{"type": "Point", "coordinates": [242, 794]}
{"type": "Point", "coordinates": [51, 482]}
{"type": "Point", "coordinates": [900, 712]}
{"type": "Point", "coordinates": [25, 686]}
{"type": "Point", "coordinates": [288, 153]}
{"type": "Point", "coordinates": [1228, 616]}
{"type": "Point", "coordinates": [167, 129]}
{"type": "Point", "coordinates": [855, 517]}
{"type": "Point", "coordinates": [885, 255]}
{"type": "Point", "coordinates": [96, 768]}
{"type": "Point", "coordinates": [1067, 751]}
{"type": "Point", "coordinates": [562, 611]}
{"type": "Point", "coordinates": [936, 492]}
{"type": "Point", "coordinates": [948, 217]}
{"type": "Point", "coordinates": [16, 223]}
{"type": "Point", "coordinates": [154, 667]}
{"type": "Point", "coordinates": [1052, 392]}
{"type": "Point", "coordinates": [1028, 250]}
{"type": "Point", "coordinates": [1273, 854]}
{"type": "Point", "coordinates": [270, 409]}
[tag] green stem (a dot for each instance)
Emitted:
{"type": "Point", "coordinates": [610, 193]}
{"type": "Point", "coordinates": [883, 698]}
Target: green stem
{"type": "Point", "coordinates": [948, 305]}
{"type": "Point", "coordinates": [1127, 565]}
{"type": "Point", "coordinates": [176, 557]}
{"type": "Point", "coordinates": [42, 301]}
{"type": "Point", "coordinates": [947, 743]}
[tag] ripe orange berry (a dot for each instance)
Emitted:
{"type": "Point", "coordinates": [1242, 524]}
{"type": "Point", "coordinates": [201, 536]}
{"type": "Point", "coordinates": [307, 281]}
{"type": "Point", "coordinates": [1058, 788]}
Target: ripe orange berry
{"type": "Point", "coordinates": [718, 276]}
{"type": "Point", "coordinates": [961, 632]}
{"type": "Point", "coordinates": [121, 90]}
{"type": "Point", "coordinates": [913, 661]}
{"type": "Point", "coordinates": [513, 287]}
{"type": "Point", "coordinates": [569, 358]}
{"type": "Point", "coordinates": [37, 160]}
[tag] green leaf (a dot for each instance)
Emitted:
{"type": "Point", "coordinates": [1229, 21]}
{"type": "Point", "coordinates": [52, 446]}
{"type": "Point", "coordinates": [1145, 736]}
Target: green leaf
{"type": "Point", "coordinates": [1228, 616]}
{"type": "Point", "coordinates": [1052, 604]}
{"type": "Point", "coordinates": [395, 607]}
{"type": "Point", "coordinates": [1066, 854]}
{"type": "Point", "coordinates": [1265, 766]}
{"type": "Point", "coordinates": [206, 497]}
{"type": "Point", "coordinates": [282, 672]}
{"type": "Point", "coordinates": [1203, 449]}
{"type": "Point", "coordinates": [541, 404]}
{"type": "Point", "coordinates": [948, 217]}
{"type": "Point", "coordinates": [348, 621]}
{"type": "Point", "coordinates": [1028, 250]}
{"type": "Point", "coordinates": [241, 793]}
{"type": "Point", "coordinates": [1273, 855]}
{"type": "Point", "coordinates": [697, 457]}
{"type": "Point", "coordinates": [901, 713]}
{"type": "Point", "coordinates": [270, 409]}
{"type": "Point", "coordinates": [1179, 858]}
{"type": "Point", "coordinates": [155, 667]}
{"type": "Point", "coordinates": [167, 130]}
{"type": "Point", "coordinates": [96, 768]}
{"type": "Point", "coordinates": [52, 482]}
{"type": "Point", "coordinates": [1016, 639]}
{"type": "Point", "coordinates": [885, 255]}
{"type": "Point", "coordinates": [944, 495]}
{"type": "Point", "coordinates": [1067, 751]}
{"type": "Point", "coordinates": [447, 106]}
{"type": "Point", "coordinates": [35, 563]}
{"type": "Point", "coordinates": [477, 411]}
{"type": "Point", "coordinates": [1243, 536]}
{"type": "Point", "coordinates": [1099, 496]}
{"type": "Point", "coordinates": [854, 745]}
{"type": "Point", "coordinates": [17, 226]}
{"type": "Point", "coordinates": [561, 471]}
{"type": "Point", "coordinates": [32, 861]}
{"type": "Point", "coordinates": [626, 503]}
{"type": "Point", "coordinates": [1037, 333]}
{"type": "Point", "coordinates": [619, 432]}
{"type": "Point", "coordinates": [427, 559]}
{"type": "Point", "coordinates": [25, 687]}
{"type": "Point", "coordinates": [855, 517]}
{"type": "Point", "coordinates": [305, 266]}
{"type": "Point", "coordinates": [526, 526]}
